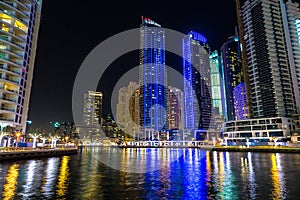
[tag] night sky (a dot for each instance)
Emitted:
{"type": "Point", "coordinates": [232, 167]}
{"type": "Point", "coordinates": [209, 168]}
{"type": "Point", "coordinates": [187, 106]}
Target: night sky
{"type": "Point", "coordinates": [69, 30]}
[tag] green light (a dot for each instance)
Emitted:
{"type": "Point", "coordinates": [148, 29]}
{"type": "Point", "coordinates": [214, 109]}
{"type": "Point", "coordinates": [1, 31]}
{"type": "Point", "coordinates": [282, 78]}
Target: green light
{"type": "Point", "coordinates": [56, 125]}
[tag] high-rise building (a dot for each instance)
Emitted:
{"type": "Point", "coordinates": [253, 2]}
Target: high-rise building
{"type": "Point", "coordinates": [19, 27]}
{"type": "Point", "coordinates": [217, 93]}
{"type": "Point", "coordinates": [292, 35]}
{"type": "Point", "coordinates": [231, 73]}
{"type": "Point", "coordinates": [197, 82]}
{"type": "Point", "coordinates": [92, 110]}
{"type": "Point", "coordinates": [241, 111]}
{"type": "Point", "coordinates": [264, 33]}
{"type": "Point", "coordinates": [153, 77]}
{"type": "Point", "coordinates": [175, 108]}
{"type": "Point", "coordinates": [89, 131]}
{"type": "Point", "coordinates": [128, 108]}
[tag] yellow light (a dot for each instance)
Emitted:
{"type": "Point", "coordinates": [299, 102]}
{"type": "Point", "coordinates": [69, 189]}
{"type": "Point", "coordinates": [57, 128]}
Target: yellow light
{"type": "Point", "coordinates": [11, 182]}
{"type": "Point", "coordinates": [6, 18]}
{"type": "Point", "coordinates": [63, 177]}
{"type": "Point", "coordinates": [276, 192]}
{"type": "Point", "coordinates": [21, 26]}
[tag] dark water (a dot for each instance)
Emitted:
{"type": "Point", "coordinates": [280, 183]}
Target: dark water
{"type": "Point", "coordinates": [196, 174]}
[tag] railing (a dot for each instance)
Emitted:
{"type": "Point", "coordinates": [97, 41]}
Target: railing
{"type": "Point", "coordinates": [12, 5]}
{"type": "Point", "coordinates": [9, 69]}
{"type": "Point", "coordinates": [7, 109]}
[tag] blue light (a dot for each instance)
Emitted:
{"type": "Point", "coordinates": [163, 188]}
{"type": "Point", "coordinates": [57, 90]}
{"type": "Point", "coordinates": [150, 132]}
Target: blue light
{"type": "Point", "coordinates": [153, 78]}
{"type": "Point", "coordinates": [197, 36]}
{"type": "Point", "coordinates": [236, 39]}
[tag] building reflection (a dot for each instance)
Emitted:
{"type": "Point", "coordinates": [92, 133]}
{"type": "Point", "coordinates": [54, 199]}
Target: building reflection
{"type": "Point", "coordinates": [62, 185]}
{"type": "Point", "coordinates": [278, 184]}
{"type": "Point", "coordinates": [251, 177]}
{"type": "Point", "coordinates": [11, 182]}
{"type": "Point", "coordinates": [50, 176]}
{"type": "Point", "coordinates": [31, 170]}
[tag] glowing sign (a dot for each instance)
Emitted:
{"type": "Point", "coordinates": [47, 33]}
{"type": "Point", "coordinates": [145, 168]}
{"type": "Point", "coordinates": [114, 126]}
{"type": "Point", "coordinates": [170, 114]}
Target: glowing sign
{"type": "Point", "coordinates": [149, 21]}
{"type": "Point", "coordinates": [197, 36]}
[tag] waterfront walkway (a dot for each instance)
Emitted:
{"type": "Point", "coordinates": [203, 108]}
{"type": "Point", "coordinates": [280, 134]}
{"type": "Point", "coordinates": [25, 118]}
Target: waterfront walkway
{"type": "Point", "coordinates": [25, 153]}
{"type": "Point", "coordinates": [206, 146]}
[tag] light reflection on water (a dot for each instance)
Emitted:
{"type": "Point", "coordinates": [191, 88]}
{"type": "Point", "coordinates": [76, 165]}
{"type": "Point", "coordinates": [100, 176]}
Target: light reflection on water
{"type": "Point", "coordinates": [194, 174]}
{"type": "Point", "coordinates": [11, 182]}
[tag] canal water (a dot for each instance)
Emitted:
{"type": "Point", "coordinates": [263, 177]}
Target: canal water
{"type": "Point", "coordinates": [193, 174]}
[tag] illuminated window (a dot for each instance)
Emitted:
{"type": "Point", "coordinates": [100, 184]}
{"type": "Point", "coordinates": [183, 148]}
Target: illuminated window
{"type": "Point", "coordinates": [21, 26]}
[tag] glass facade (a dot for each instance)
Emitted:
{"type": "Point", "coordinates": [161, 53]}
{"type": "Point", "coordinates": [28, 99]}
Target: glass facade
{"type": "Point", "coordinates": [240, 102]}
{"type": "Point", "coordinates": [197, 82]}
{"type": "Point", "coordinates": [231, 72]}
{"type": "Point", "coordinates": [216, 88]}
{"type": "Point", "coordinates": [153, 77]}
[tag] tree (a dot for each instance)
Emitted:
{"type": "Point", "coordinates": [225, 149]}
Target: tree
{"type": "Point", "coordinates": [35, 134]}
{"type": "Point", "coordinates": [54, 138]}
{"type": "Point", "coordinates": [44, 137]}
{"type": "Point", "coordinates": [3, 133]}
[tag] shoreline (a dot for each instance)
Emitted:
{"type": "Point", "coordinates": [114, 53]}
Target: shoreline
{"type": "Point", "coordinates": [262, 149]}
{"type": "Point", "coordinates": [38, 153]}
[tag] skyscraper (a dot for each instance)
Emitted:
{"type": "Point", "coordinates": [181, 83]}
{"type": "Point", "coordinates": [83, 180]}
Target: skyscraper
{"type": "Point", "coordinates": [292, 35]}
{"type": "Point", "coordinates": [264, 36]}
{"type": "Point", "coordinates": [153, 78]}
{"type": "Point", "coordinates": [175, 108]}
{"type": "Point", "coordinates": [216, 83]}
{"type": "Point", "coordinates": [217, 95]}
{"type": "Point", "coordinates": [196, 70]}
{"type": "Point", "coordinates": [89, 131]}
{"type": "Point", "coordinates": [231, 73]}
{"type": "Point", "coordinates": [92, 109]}
{"type": "Point", "coordinates": [19, 27]}
{"type": "Point", "coordinates": [128, 108]}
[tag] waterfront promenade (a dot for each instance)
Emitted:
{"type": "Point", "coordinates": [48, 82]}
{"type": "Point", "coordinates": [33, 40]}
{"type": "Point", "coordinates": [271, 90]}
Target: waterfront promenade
{"type": "Point", "coordinates": [25, 153]}
{"type": "Point", "coordinates": [197, 144]}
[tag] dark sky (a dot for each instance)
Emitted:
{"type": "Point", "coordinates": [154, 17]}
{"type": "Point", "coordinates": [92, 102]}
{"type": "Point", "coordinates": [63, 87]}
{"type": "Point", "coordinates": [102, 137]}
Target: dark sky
{"type": "Point", "coordinates": [70, 29]}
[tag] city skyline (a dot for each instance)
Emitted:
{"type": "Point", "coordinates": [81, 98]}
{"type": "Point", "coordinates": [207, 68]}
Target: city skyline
{"type": "Point", "coordinates": [61, 56]}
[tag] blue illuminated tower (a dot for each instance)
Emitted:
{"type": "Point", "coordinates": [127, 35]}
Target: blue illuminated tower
{"type": "Point", "coordinates": [196, 70]}
{"type": "Point", "coordinates": [153, 78]}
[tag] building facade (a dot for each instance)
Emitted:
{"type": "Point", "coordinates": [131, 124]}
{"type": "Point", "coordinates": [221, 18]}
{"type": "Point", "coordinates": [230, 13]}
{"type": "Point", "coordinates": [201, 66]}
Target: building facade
{"type": "Point", "coordinates": [127, 113]}
{"type": "Point", "coordinates": [241, 111]}
{"type": "Point", "coordinates": [175, 108]}
{"type": "Point", "coordinates": [90, 130]}
{"type": "Point", "coordinates": [19, 27]}
{"type": "Point", "coordinates": [197, 82]}
{"type": "Point", "coordinates": [231, 73]}
{"type": "Point", "coordinates": [217, 92]}
{"type": "Point", "coordinates": [271, 77]}
{"type": "Point", "coordinates": [153, 77]}
{"type": "Point", "coordinates": [262, 130]}
{"type": "Point", "coordinates": [92, 110]}
{"type": "Point", "coordinates": [291, 25]}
